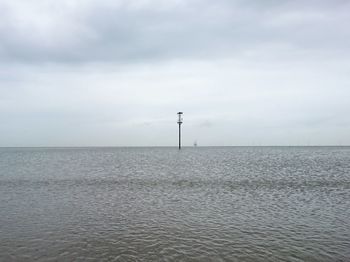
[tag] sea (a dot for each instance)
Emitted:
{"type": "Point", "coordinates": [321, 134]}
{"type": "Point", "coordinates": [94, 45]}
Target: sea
{"type": "Point", "coordinates": [165, 204]}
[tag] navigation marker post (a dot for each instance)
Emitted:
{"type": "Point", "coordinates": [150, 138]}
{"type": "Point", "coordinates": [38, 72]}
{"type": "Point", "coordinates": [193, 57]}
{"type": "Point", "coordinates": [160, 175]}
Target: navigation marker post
{"type": "Point", "coordinates": [179, 121]}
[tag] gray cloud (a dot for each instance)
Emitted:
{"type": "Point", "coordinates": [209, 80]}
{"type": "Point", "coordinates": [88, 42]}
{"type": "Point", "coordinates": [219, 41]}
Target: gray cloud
{"type": "Point", "coordinates": [90, 31]}
{"type": "Point", "coordinates": [116, 72]}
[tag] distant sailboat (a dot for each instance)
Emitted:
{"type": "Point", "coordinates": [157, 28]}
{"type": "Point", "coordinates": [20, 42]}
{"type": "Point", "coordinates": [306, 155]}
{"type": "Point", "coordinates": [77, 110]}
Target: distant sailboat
{"type": "Point", "coordinates": [195, 144]}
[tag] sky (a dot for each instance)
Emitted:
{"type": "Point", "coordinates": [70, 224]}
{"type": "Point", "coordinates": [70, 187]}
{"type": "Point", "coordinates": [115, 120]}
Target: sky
{"type": "Point", "coordinates": [116, 72]}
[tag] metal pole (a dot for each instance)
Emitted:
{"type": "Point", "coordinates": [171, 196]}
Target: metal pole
{"type": "Point", "coordinates": [179, 136]}
{"type": "Point", "coordinates": [179, 121]}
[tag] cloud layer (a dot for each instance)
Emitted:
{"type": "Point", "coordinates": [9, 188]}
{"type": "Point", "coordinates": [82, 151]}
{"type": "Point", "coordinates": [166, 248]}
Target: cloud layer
{"type": "Point", "coordinates": [86, 31]}
{"type": "Point", "coordinates": [116, 72]}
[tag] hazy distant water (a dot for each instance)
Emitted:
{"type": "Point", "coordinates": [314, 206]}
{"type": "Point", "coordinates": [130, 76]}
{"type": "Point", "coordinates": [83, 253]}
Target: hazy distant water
{"type": "Point", "coordinates": [159, 204]}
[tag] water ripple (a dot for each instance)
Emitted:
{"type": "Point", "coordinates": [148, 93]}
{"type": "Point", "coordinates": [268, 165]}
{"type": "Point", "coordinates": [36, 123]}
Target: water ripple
{"type": "Point", "coordinates": [158, 204]}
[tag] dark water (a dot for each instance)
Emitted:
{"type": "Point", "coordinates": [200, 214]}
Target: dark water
{"type": "Point", "coordinates": [159, 204]}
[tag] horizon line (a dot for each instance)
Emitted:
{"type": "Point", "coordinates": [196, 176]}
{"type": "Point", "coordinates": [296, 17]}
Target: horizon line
{"type": "Point", "coordinates": [95, 146]}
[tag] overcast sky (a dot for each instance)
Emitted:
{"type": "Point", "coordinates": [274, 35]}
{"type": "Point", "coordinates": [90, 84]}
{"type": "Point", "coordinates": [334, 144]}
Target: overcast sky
{"type": "Point", "coordinates": [115, 72]}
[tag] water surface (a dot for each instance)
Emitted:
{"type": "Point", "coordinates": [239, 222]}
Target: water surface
{"type": "Point", "coordinates": [161, 204]}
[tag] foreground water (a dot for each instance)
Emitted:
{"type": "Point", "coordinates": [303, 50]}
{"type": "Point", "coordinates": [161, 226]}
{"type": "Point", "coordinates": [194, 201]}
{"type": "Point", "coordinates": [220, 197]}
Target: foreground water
{"type": "Point", "coordinates": [160, 204]}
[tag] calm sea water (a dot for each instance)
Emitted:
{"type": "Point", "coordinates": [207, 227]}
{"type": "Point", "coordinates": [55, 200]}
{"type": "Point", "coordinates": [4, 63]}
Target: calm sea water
{"type": "Point", "coordinates": [161, 204]}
